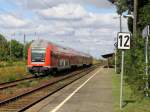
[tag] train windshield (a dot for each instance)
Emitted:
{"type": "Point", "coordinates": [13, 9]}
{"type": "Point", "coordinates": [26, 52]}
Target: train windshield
{"type": "Point", "coordinates": [38, 55]}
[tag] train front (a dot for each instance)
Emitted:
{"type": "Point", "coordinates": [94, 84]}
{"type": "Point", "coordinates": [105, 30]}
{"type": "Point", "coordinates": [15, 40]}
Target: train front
{"type": "Point", "coordinates": [39, 57]}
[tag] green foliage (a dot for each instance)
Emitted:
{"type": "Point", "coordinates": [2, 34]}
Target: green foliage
{"type": "Point", "coordinates": [133, 102]}
{"type": "Point", "coordinates": [134, 66]}
{"type": "Point", "coordinates": [121, 6]}
{"type": "Point", "coordinates": [135, 58]}
{"type": "Point", "coordinates": [144, 16]}
{"type": "Point", "coordinates": [17, 71]}
{"type": "Point", "coordinates": [3, 48]}
{"type": "Point", "coordinates": [17, 51]}
{"type": "Point", "coordinates": [11, 78]}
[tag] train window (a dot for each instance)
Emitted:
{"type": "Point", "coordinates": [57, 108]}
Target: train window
{"type": "Point", "coordinates": [63, 62]}
{"type": "Point", "coordinates": [52, 54]}
{"type": "Point", "coordinates": [67, 62]}
{"type": "Point", "coordinates": [38, 55]}
{"type": "Point", "coordinates": [60, 62]}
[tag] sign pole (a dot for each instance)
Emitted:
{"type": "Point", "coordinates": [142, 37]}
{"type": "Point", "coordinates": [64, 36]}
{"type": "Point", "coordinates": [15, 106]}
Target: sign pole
{"type": "Point", "coordinates": [146, 61]}
{"type": "Point", "coordinates": [115, 60]}
{"type": "Point", "coordinates": [121, 84]}
{"type": "Point", "coordinates": [122, 70]}
{"type": "Point", "coordinates": [123, 41]}
{"type": "Point", "coordinates": [145, 34]}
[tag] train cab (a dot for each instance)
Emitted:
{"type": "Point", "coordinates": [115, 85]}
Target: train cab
{"type": "Point", "coordinates": [38, 58]}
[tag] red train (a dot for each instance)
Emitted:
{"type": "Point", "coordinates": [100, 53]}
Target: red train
{"type": "Point", "coordinates": [44, 57]}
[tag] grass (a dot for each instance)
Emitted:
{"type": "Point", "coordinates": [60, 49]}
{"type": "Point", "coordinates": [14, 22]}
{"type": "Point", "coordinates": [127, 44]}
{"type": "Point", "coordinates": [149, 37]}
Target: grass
{"type": "Point", "coordinates": [28, 84]}
{"type": "Point", "coordinates": [11, 63]}
{"type": "Point", "coordinates": [132, 103]}
{"type": "Point", "coordinates": [12, 73]}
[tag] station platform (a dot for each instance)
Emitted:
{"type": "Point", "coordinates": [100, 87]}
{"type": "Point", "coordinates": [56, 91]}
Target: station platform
{"type": "Point", "coordinates": [91, 93]}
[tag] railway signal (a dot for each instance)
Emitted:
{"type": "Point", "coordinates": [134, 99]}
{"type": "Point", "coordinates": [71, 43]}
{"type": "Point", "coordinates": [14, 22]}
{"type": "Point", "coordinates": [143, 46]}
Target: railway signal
{"type": "Point", "coordinates": [123, 43]}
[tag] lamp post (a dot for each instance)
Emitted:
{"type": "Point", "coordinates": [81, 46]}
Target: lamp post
{"type": "Point", "coordinates": [122, 67]}
{"type": "Point", "coordinates": [120, 29]}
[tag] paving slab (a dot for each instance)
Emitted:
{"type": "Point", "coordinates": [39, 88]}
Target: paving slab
{"type": "Point", "coordinates": [94, 96]}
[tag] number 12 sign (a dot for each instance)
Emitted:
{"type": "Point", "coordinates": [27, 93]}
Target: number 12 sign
{"type": "Point", "coordinates": [123, 40]}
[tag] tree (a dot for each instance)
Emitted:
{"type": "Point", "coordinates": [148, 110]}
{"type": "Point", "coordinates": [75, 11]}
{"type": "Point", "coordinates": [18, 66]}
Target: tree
{"type": "Point", "coordinates": [16, 49]}
{"type": "Point", "coordinates": [144, 16]}
{"type": "Point", "coordinates": [4, 48]}
{"type": "Point", "coordinates": [27, 45]}
{"type": "Point", "coordinates": [121, 6]}
{"type": "Point", "coordinates": [135, 61]}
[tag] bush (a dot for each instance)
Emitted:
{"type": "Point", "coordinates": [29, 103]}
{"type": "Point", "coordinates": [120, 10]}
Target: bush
{"type": "Point", "coordinates": [135, 66]}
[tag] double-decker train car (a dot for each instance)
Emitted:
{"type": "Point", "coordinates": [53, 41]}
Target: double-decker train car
{"type": "Point", "coordinates": [44, 57]}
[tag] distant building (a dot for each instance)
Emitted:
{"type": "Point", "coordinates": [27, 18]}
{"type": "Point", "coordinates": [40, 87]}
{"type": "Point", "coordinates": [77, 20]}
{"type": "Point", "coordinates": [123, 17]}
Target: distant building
{"type": "Point", "coordinates": [108, 57]}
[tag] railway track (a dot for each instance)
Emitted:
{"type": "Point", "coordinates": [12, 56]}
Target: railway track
{"type": "Point", "coordinates": [24, 100]}
{"type": "Point", "coordinates": [6, 85]}
{"type": "Point", "coordinates": [14, 83]}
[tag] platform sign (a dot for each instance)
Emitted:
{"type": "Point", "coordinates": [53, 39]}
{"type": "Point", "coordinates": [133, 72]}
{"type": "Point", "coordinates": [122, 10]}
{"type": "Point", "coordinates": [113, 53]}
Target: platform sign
{"type": "Point", "coordinates": [145, 32]}
{"type": "Point", "coordinates": [123, 40]}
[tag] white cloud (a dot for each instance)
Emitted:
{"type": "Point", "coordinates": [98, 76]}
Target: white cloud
{"type": "Point", "coordinates": [10, 21]}
{"type": "Point", "coordinates": [68, 24]}
{"type": "Point", "coordinates": [64, 11]}
{"type": "Point", "coordinates": [42, 4]}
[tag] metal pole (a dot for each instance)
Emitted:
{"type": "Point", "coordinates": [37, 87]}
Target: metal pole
{"type": "Point", "coordinates": [35, 35]}
{"type": "Point", "coordinates": [24, 40]}
{"type": "Point", "coordinates": [122, 70]}
{"type": "Point", "coordinates": [120, 17]}
{"type": "Point", "coordinates": [115, 60]}
{"type": "Point", "coordinates": [120, 28]}
{"type": "Point", "coordinates": [10, 48]}
{"type": "Point", "coordinates": [135, 18]}
{"type": "Point", "coordinates": [146, 61]}
{"type": "Point", "coordinates": [121, 85]}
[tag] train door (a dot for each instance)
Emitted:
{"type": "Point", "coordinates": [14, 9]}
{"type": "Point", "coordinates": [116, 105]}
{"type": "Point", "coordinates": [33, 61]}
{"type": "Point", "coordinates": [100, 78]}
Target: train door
{"type": "Point", "coordinates": [54, 59]}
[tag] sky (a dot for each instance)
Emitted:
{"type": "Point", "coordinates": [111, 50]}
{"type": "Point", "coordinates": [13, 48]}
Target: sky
{"type": "Point", "coordinates": [89, 26]}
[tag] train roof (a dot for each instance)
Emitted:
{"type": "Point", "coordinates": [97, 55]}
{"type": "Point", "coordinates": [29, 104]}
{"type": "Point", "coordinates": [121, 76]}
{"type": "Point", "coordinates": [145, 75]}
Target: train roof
{"type": "Point", "coordinates": [39, 43]}
{"type": "Point", "coordinates": [44, 44]}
